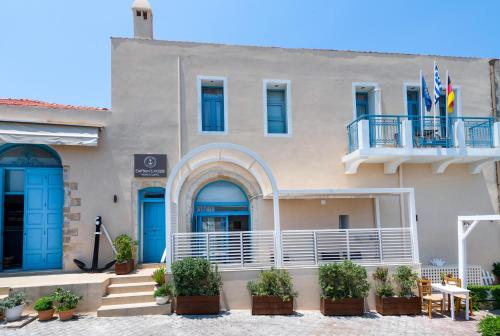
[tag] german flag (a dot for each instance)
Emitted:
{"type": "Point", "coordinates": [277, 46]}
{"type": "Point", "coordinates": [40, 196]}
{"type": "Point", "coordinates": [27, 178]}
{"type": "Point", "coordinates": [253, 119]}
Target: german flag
{"type": "Point", "coordinates": [451, 97]}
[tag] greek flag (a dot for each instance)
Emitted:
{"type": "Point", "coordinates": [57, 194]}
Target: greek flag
{"type": "Point", "coordinates": [437, 85]}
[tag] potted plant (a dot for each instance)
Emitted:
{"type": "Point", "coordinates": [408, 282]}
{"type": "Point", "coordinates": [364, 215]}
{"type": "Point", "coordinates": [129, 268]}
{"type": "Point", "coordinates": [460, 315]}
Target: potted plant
{"type": "Point", "coordinates": [272, 293]}
{"type": "Point", "coordinates": [66, 303]}
{"type": "Point", "coordinates": [44, 306]}
{"type": "Point", "coordinates": [163, 293]}
{"type": "Point", "coordinates": [405, 303]}
{"type": "Point", "coordinates": [159, 277]}
{"type": "Point", "coordinates": [124, 246]}
{"type": "Point", "coordinates": [496, 271]}
{"type": "Point", "coordinates": [344, 287]}
{"type": "Point", "coordinates": [13, 306]}
{"type": "Point", "coordinates": [197, 286]}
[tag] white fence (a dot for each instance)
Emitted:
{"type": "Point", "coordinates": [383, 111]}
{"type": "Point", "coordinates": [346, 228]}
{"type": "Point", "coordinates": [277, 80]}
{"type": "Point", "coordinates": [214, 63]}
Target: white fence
{"type": "Point", "coordinates": [300, 248]}
{"type": "Point", "coordinates": [433, 273]}
{"type": "Point", "coordinates": [229, 250]}
{"type": "Point", "coordinates": [365, 246]}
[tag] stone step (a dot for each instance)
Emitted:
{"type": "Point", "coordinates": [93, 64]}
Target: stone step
{"type": "Point", "coordinates": [4, 291]}
{"type": "Point", "coordinates": [131, 287]}
{"type": "Point", "coordinates": [150, 265]}
{"type": "Point", "coordinates": [123, 279]}
{"type": "Point", "coordinates": [134, 309]}
{"type": "Point", "coordinates": [124, 298]}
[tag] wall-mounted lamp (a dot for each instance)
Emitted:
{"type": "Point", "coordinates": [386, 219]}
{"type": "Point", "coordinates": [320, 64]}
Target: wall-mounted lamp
{"type": "Point", "coordinates": [115, 198]}
{"type": "Point", "coordinates": [323, 202]}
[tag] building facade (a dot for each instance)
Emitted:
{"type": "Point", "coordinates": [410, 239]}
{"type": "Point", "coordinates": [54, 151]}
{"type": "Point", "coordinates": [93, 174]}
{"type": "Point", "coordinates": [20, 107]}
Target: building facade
{"type": "Point", "coordinates": [274, 157]}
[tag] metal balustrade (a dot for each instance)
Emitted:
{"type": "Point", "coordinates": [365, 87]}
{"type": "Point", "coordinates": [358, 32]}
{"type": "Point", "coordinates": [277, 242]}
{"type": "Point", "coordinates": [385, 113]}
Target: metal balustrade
{"type": "Point", "coordinates": [365, 246]}
{"type": "Point", "coordinates": [427, 131]}
{"type": "Point", "coordinates": [228, 250]}
{"type": "Point", "coordinates": [300, 248]}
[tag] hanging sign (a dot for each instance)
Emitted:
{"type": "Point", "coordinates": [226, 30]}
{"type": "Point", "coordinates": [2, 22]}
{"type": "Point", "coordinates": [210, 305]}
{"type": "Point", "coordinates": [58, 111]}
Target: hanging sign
{"type": "Point", "coordinates": [150, 165]}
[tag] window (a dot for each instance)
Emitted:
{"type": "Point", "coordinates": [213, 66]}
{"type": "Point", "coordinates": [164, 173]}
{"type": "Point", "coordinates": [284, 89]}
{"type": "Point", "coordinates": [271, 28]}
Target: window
{"type": "Point", "coordinates": [362, 104]}
{"type": "Point", "coordinates": [277, 110]}
{"type": "Point", "coordinates": [412, 101]}
{"type": "Point", "coordinates": [343, 222]}
{"type": "Point", "coordinates": [212, 102]}
{"type": "Point", "coordinates": [144, 15]}
{"type": "Point", "coordinates": [366, 99]}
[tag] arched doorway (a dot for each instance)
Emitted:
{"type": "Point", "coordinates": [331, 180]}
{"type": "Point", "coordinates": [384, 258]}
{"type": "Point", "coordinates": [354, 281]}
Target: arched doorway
{"type": "Point", "coordinates": [221, 206]}
{"type": "Point", "coordinates": [152, 224]}
{"type": "Point", "coordinates": [31, 212]}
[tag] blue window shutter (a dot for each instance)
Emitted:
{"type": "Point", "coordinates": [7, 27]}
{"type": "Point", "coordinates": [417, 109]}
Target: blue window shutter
{"type": "Point", "coordinates": [413, 103]}
{"type": "Point", "coordinates": [276, 112]}
{"type": "Point", "coordinates": [362, 106]}
{"type": "Point", "coordinates": [212, 109]}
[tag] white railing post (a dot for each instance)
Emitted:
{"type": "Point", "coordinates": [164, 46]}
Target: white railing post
{"type": "Point", "coordinates": [381, 256]}
{"type": "Point", "coordinates": [413, 226]}
{"type": "Point", "coordinates": [496, 134]}
{"type": "Point", "coordinates": [241, 250]}
{"type": "Point", "coordinates": [207, 239]}
{"type": "Point", "coordinates": [363, 134]}
{"type": "Point", "coordinates": [348, 244]}
{"type": "Point", "coordinates": [315, 246]}
{"type": "Point", "coordinates": [459, 136]}
{"type": "Point", "coordinates": [407, 134]}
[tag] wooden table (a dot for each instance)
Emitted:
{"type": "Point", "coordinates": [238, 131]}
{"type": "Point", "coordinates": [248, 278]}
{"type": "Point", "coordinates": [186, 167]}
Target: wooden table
{"type": "Point", "coordinates": [452, 291]}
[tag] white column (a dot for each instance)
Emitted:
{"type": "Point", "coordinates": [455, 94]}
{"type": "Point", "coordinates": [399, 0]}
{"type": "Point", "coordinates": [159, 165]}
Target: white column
{"type": "Point", "coordinates": [461, 254]}
{"type": "Point", "coordinates": [496, 134]}
{"type": "Point", "coordinates": [459, 136]}
{"type": "Point", "coordinates": [278, 253]}
{"type": "Point", "coordinates": [363, 134]}
{"type": "Point", "coordinates": [168, 231]}
{"type": "Point", "coordinates": [413, 225]}
{"type": "Point", "coordinates": [407, 134]}
{"type": "Point", "coordinates": [376, 203]}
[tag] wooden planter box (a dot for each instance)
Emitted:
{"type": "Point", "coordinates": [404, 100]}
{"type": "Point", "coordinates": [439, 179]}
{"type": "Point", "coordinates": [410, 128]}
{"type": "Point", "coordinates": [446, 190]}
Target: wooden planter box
{"type": "Point", "coordinates": [197, 305]}
{"type": "Point", "coordinates": [398, 305]}
{"type": "Point", "coordinates": [271, 305]}
{"type": "Point", "coordinates": [343, 307]}
{"type": "Point", "coordinates": [124, 268]}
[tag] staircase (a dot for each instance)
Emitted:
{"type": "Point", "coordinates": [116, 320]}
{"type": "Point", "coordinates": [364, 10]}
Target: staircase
{"type": "Point", "coordinates": [131, 295]}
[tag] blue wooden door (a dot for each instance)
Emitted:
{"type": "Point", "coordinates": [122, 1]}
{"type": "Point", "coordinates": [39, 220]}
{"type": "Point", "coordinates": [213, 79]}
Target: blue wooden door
{"type": "Point", "coordinates": [154, 231]}
{"type": "Point", "coordinates": [276, 111]}
{"type": "Point", "coordinates": [2, 188]}
{"type": "Point", "coordinates": [213, 109]}
{"type": "Point", "coordinates": [43, 218]}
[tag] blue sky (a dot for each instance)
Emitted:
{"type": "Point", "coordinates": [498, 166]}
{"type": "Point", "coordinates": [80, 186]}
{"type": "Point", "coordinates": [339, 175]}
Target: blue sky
{"type": "Point", "coordinates": [59, 50]}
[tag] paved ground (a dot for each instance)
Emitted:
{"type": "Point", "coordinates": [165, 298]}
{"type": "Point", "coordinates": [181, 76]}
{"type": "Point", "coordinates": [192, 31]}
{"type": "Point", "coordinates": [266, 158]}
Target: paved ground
{"type": "Point", "coordinates": [242, 323]}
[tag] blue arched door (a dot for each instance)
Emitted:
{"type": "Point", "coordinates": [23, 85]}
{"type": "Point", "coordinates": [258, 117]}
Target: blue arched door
{"type": "Point", "coordinates": [32, 197]}
{"type": "Point", "coordinates": [152, 205]}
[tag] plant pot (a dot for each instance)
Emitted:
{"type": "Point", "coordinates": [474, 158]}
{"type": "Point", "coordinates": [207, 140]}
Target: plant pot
{"type": "Point", "coordinates": [66, 315]}
{"type": "Point", "coordinates": [197, 305]}
{"type": "Point", "coordinates": [124, 268]}
{"type": "Point", "coordinates": [398, 305]}
{"type": "Point", "coordinates": [46, 315]}
{"type": "Point", "coordinates": [14, 314]}
{"type": "Point", "coordinates": [342, 307]}
{"type": "Point", "coordinates": [271, 305]}
{"type": "Point", "coordinates": [161, 300]}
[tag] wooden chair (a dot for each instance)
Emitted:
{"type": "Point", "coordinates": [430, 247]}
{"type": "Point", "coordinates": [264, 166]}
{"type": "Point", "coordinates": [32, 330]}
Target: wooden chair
{"type": "Point", "coordinates": [428, 298]}
{"type": "Point", "coordinates": [459, 297]}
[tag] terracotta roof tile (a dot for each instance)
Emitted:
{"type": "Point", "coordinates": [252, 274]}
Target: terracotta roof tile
{"type": "Point", "coordinates": [42, 104]}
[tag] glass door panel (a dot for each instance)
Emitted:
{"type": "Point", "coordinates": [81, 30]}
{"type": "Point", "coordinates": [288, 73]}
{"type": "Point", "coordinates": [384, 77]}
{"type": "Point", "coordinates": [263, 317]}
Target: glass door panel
{"type": "Point", "coordinates": [212, 224]}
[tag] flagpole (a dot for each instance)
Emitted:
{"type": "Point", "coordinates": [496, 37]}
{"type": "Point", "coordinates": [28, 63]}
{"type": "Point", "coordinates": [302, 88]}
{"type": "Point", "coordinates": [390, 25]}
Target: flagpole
{"type": "Point", "coordinates": [421, 109]}
{"type": "Point", "coordinates": [446, 107]}
{"type": "Point", "coordinates": [434, 100]}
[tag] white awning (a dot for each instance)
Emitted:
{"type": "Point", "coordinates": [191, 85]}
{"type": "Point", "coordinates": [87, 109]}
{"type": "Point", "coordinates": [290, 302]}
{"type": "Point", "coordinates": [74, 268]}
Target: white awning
{"type": "Point", "coordinates": [48, 134]}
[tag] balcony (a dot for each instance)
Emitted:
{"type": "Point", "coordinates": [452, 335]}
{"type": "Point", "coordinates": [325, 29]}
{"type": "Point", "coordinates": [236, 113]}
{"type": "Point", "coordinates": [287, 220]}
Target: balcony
{"type": "Point", "coordinates": [439, 141]}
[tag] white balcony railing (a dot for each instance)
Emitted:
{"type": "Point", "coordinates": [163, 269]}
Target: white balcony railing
{"type": "Point", "coordinates": [301, 248]}
{"type": "Point", "coordinates": [229, 250]}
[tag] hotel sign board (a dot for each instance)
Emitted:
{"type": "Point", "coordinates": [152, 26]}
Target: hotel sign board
{"type": "Point", "coordinates": [150, 165]}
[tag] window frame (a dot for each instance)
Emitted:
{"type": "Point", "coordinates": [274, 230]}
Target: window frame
{"type": "Point", "coordinates": [288, 101]}
{"type": "Point", "coordinates": [200, 80]}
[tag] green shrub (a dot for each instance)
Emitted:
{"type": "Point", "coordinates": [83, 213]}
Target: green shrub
{"type": "Point", "coordinates": [164, 290]}
{"type": "Point", "coordinates": [65, 299]}
{"type": "Point", "coordinates": [489, 326]}
{"type": "Point", "coordinates": [13, 300]}
{"type": "Point", "coordinates": [344, 280]}
{"type": "Point", "coordinates": [496, 269]}
{"type": "Point", "coordinates": [124, 246]}
{"type": "Point", "coordinates": [406, 280]}
{"type": "Point", "coordinates": [273, 282]}
{"type": "Point", "coordinates": [44, 303]}
{"type": "Point", "coordinates": [195, 276]}
{"type": "Point", "coordinates": [495, 292]}
{"type": "Point", "coordinates": [159, 276]}
{"type": "Point", "coordinates": [478, 294]}
{"type": "Point", "coordinates": [384, 287]}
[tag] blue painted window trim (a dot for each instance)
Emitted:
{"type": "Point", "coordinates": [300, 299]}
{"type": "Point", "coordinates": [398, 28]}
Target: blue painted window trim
{"type": "Point", "coordinates": [277, 124]}
{"type": "Point", "coordinates": [52, 152]}
{"type": "Point", "coordinates": [212, 121]}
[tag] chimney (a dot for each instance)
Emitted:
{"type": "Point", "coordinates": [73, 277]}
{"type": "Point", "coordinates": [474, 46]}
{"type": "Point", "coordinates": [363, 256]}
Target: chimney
{"type": "Point", "coordinates": [143, 19]}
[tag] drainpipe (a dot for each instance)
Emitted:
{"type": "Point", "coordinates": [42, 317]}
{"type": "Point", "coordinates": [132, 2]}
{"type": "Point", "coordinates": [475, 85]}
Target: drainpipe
{"type": "Point", "coordinates": [495, 112]}
{"type": "Point", "coordinates": [179, 109]}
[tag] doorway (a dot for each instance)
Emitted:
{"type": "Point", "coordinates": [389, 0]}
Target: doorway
{"type": "Point", "coordinates": [152, 219]}
{"type": "Point", "coordinates": [31, 211]}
